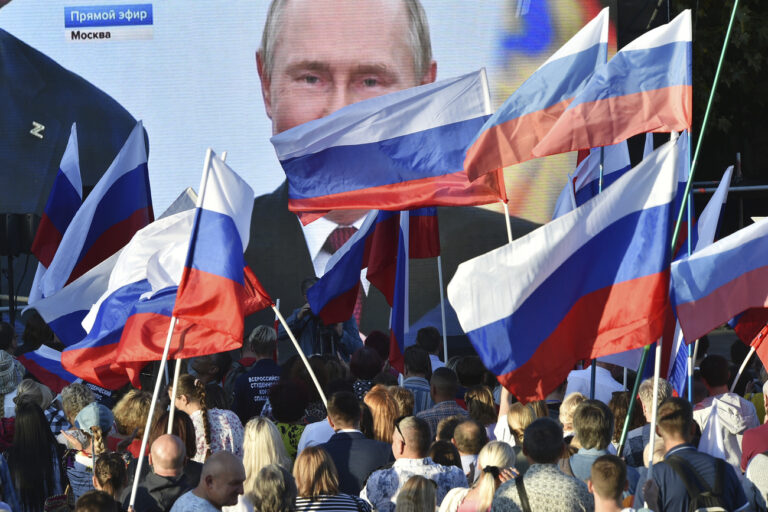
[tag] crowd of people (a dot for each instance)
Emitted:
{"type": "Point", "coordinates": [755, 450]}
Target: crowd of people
{"type": "Point", "coordinates": [251, 435]}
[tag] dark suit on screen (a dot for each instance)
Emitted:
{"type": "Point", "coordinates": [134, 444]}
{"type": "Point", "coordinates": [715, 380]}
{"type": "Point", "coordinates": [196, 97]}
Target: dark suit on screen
{"type": "Point", "coordinates": [278, 254]}
{"type": "Point", "coordinates": [356, 457]}
{"type": "Point", "coordinates": [35, 89]}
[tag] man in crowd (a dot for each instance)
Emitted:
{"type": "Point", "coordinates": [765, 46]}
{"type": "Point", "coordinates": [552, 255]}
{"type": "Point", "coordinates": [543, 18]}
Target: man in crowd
{"type": "Point", "coordinates": [755, 440]}
{"type": "Point", "coordinates": [311, 63]}
{"type": "Point", "coordinates": [734, 414]}
{"type": "Point", "coordinates": [605, 384]}
{"type": "Point", "coordinates": [354, 455]}
{"type": "Point", "coordinates": [607, 483]}
{"type": "Point", "coordinates": [546, 487]}
{"type": "Point", "coordinates": [162, 486]}
{"type": "Point", "coordinates": [675, 426]}
{"type": "Point", "coordinates": [410, 444]}
{"type": "Point", "coordinates": [221, 482]}
{"type": "Point", "coordinates": [469, 437]}
{"type": "Point", "coordinates": [251, 388]}
{"type": "Point", "coordinates": [443, 387]}
{"type": "Point", "coordinates": [417, 368]}
{"type": "Point", "coordinates": [593, 424]}
{"type": "Point", "coordinates": [638, 438]}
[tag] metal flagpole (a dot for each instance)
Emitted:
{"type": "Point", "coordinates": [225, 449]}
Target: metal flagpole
{"type": "Point", "coordinates": [442, 307]}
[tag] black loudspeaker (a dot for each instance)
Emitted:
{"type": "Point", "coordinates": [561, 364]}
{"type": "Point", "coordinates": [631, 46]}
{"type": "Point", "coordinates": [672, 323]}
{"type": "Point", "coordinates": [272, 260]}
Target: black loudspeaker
{"type": "Point", "coordinates": [17, 232]}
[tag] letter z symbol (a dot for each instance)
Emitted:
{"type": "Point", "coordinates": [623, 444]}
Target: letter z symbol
{"type": "Point", "coordinates": [37, 129]}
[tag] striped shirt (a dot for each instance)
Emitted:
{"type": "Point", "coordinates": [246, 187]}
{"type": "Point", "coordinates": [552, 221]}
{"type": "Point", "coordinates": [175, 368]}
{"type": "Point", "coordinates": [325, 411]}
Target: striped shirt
{"type": "Point", "coordinates": [340, 502]}
{"type": "Point", "coordinates": [419, 386]}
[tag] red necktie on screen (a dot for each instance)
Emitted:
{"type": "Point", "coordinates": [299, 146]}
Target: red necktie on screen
{"type": "Point", "coordinates": [336, 239]}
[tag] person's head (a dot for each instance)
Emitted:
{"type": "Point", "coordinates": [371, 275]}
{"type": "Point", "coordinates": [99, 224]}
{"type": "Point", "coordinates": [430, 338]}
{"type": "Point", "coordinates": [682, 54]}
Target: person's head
{"type": "Point", "coordinates": [411, 438]}
{"type": "Point", "coordinates": [311, 62]}
{"type": "Point", "coordinates": [470, 437]}
{"type": "Point", "coordinates": [714, 372]}
{"type": "Point", "coordinates": [344, 411]}
{"type": "Point", "coordinates": [11, 373]}
{"type": "Point", "coordinates": [417, 494]}
{"type": "Point", "coordinates": [470, 371]}
{"type": "Point", "coordinates": [212, 367]}
{"type": "Point", "coordinates": [131, 412]}
{"type": "Point", "coordinates": [73, 398]}
{"type": "Point", "coordinates": [365, 363]}
{"type": "Point", "coordinates": [429, 339]}
{"type": "Point", "coordinates": [299, 373]}
{"type": "Point", "coordinates": [315, 473]}
{"type": "Point", "coordinates": [567, 408]}
{"type": "Point", "coordinates": [379, 342]}
{"type": "Point", "coordinates": [96, 420]}
{"type": "Point", "coordinates": [289, 399]}
{"type": "Point", "coordinates": [7, 337]}
{"type": "Point", "coordinates": [109, 474]}
{"type": "Point", "coordinates": [34, 391]}
{"type": "Point", "coordinates": [445, 453]}
{"type": "Point", "coordinates": [96, 501]}
{"type": "Point", "coordinates": [306, 284]}
{"type": "Point", "coordinates": [404, 399]}
{"type": "Point", "coordinates": [593, 424]}
{"type": "Point", "coordinates": [443, 385]}
{"type": "Point", "coordinates": [543, 441]}
{"type": "Point", "coordinates": [183, 428]}
{"type": "Point", "coordinates": [262, 341]}
{"type": "Point", "coordinates": [675, 423]}
{"type": "Point", "coordinates": [619, 406]}
{"type": "Point", "coordinates": [384, 411]}
{"type": "Point", "coordinates": [167, 455]}
{"type": "Point", "coordinates": [480, 405]}
{"type": "Point", "coordinates": [446, 427]}
{"type": "Point", "coordinates": [645, 394]}
{"type": "Point", "coordinates": [416, 362]}
{"type": "Point", "coordinates": [221, 480]}
{"type": "Point", "coordinates": [539, 408]}
{"type": "Point", "coordinates": [262, 446]}
{"type": "Point", "coordinates": [519, 417]}
{"type": "Point", "coordinates": [493, 458]}
{"type": "Point", "coordinates": [274, 490]}
{"type": "Point", "coordinates": [608, 479]}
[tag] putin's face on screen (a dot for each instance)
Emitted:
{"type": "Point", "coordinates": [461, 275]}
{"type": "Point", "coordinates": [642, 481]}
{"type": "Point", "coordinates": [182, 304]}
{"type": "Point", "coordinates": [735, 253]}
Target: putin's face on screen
{"type": "Point", "coordinates": [320, 55]}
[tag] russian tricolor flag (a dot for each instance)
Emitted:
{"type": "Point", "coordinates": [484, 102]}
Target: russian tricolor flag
{"type": "Point", "coordinates": [119, 205]}
{"type": "Point", "coordinates": [45, 364]}
{"type": "Point", "coordinates": [375, 247]}
{"type": "Point", "coordinates": [590, 283]}
{"type": "Point", "coordinates": [722, 280]}
{"type": "Point", "coordinates": [63, 202]}
{"type": "Point", "coordinates": [189, 265]}
{"type": "Point", "coordinates": [510, 135]}
{"type": "Point", "coordinates": [646, 87]}
{"type": "Point", "coordinates": [394, 152]}
{"type": "Point", "coordinates": [584, 184]}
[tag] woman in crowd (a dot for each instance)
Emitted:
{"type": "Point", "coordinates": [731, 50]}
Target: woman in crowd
{"type": "Point", "coordinates": [93, 423]}
{"type": "Point", "coordinates": [619, 405]}
{"type": "Point", "coordinates": [275, 490]}
{"type": "Point", "coordinates": [289, 400]}
{"type": "Point", "coordinates": [318, 484]}
{"type": "Point", "coordinates": [494, 463]}
{"type": "Point", "coordinates": [130, 418]}
{"type": "Point", "coordinates": [417, 495]}
{"type": "Point", "coordinates": [384, 411]}
{"type": "Point", "coordinates": [567, 408]}
{"type": "Point", "coordinates": [262, 446]}
{"type": "Point", "coordinates": [518, 418]}
{"type": "Point", "coordinates": [215, 429]}
{"type": "Point", "coordinates": [403, 398]}
{"type": "Point", "coordinates": [34, 458]}
{"type": "Point", "coordinates": [73, 398]}
{"type": "Point", "coordinates": [481, 408]}
{"type": "Point", "coordinates": [109, 474]}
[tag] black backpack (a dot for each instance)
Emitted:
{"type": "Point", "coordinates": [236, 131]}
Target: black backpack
{"type": "Point", "coordinates": [702, 497]}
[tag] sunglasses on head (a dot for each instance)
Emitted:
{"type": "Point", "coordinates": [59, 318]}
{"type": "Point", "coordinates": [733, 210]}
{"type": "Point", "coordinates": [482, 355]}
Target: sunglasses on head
{"type": "Point", "coordinates": [397, 426]}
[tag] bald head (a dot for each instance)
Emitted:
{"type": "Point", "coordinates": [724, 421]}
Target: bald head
{"type": "Point", "coordinates": [221, 480]}
{"type": "Point", "coordinates": [168, 453]}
